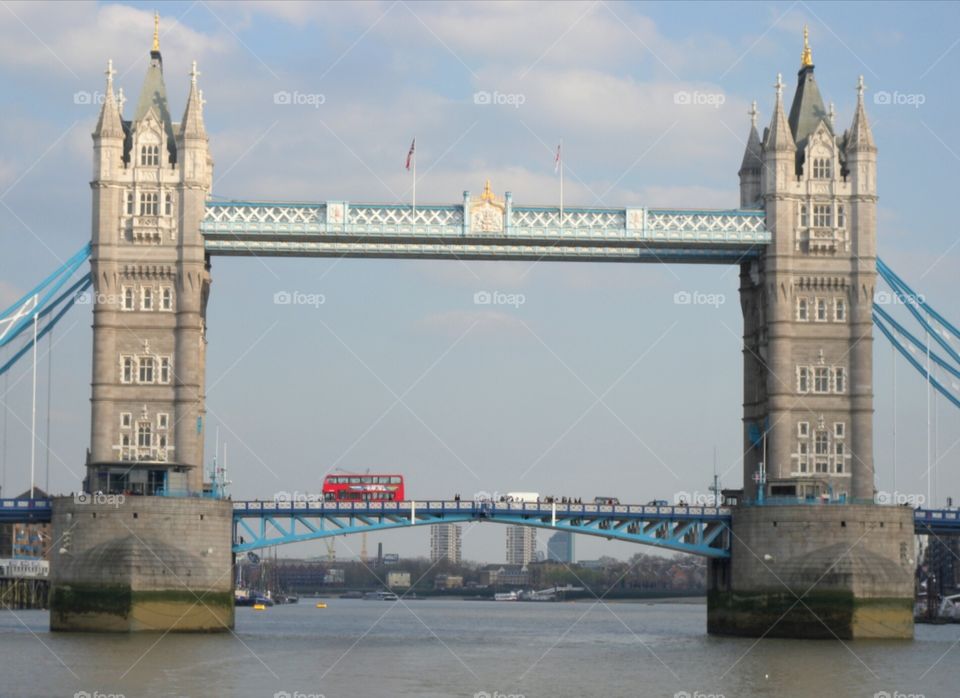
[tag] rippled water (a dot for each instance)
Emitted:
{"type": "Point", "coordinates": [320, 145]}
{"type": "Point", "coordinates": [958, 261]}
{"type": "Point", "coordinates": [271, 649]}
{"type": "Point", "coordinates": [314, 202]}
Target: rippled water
{"type": "Point", "coordinates": [465, 648]}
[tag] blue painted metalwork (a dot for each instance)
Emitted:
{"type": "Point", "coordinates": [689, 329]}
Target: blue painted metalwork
{"type": "Point", "coordinates": [25, 510]}
{"type": "Point", "coordinates": [911, 347]}
{"type": "Point", "coordinates": [43, 303]}
{"type": "Point", "coordinates": [339, 228]}
{"type": "Point", "coordinates": [696, 530]}
{"type": "Point", "coordinates": [936, 521]}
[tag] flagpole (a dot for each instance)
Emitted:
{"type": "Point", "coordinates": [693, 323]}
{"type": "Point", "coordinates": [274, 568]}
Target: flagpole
{"type": "Point", "coordinates": [561, 184]}
{"type": "Point", "coordinates": [33, 424]}
{"type": "Point", "coordinates": [414, 178]}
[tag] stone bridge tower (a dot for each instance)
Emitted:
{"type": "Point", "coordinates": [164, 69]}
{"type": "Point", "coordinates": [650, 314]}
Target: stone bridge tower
{"type": "Point", "coordinates": [807, 302]}
{"type": "Point", "coordinates": [151, 179]}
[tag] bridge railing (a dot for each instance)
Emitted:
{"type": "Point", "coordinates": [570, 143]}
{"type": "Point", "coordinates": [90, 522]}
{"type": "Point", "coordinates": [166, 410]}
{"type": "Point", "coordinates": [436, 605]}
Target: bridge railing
{"type": "Point", "coordinates": [482, 507]}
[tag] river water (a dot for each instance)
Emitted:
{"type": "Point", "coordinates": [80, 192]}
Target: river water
{"type": "Point", "coordinates": [472, 649]}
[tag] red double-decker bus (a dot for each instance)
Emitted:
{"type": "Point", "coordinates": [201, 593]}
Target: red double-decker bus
{"type": "Point", "coordinates": [363, 488]}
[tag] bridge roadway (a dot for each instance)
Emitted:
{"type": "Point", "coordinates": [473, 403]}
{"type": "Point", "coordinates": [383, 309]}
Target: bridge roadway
{"type": "Point", "coordinates": [690, 529]}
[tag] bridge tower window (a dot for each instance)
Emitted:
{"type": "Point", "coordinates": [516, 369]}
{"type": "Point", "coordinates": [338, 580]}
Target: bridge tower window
{"type": "Point", "coordinates": [168, 204]}
{"type": "Point", "coordinates": [821, 379]}
{"type": "Point", "coordinates": [822, 215]}
{"type": "Point", "coordinates": [822, 168]}
{"type": "Point", "coordinates": [821, 310]}
{"type": "Point", "coordinates": [166, 298]}
{"type": "Point", "coordinates": [126, 419]}
{"type": "Point", "coordinates": [126, 375]}
{"type": "Point", "coordinates": [804, 219]}
{"type": "Point", "coordinates": [150, 155]}
{"type": "Point", "coordinates": [149, 203]}
{"type": "Point", "coordinates": [839, 380]}
{"type": "Point", "coordinates": [146, 369]}
{"type": "Point", "coordinates": [164, 369]}
{"type": "Point", "coordinates": [130, 203]}
{"type": "Point", "coordinates": [841, 216]}
{"type": "Point", "coordinates": [803, 380]}
{"type": "Point", "coordinates": [146, 298]}
{"type": "Point", "coordinates": [127, 303]}
{"type": "Point", "coordinates": [840, 310]}
{"type": "Point", "coordinates": [144, 435]}
{"type": "Point", "coordinates": [803, 309]}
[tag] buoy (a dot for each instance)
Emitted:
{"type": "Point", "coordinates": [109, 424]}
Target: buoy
{"type": "Point", "coordinates": [321, 605]}
{"type": "Point", "coordinates": [259, 607]}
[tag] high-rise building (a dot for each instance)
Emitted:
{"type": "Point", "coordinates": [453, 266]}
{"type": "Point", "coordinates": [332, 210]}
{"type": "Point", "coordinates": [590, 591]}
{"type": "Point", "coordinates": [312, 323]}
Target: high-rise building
{"type": "Point", "coordinates": [521, 545]}
{"type": "Point", "coordinates": [445, 543]}
{"type": "Point", "coordinates": [560, 547]}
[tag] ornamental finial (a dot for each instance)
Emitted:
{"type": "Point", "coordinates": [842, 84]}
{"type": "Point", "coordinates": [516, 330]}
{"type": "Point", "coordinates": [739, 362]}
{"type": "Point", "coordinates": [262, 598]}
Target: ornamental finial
{"type": "Point", "coordinates": [753, 114]}
{"type": "Point", "coordinates": [806, 58]}
{"type": "Point", "coordinates": [832, 113]}
{"type": "Point", "coordinates": [110, 72]}
{"type": "Point", "coordinates": [779, 85]}
{"type": "Point", "coordinates": [121, 100]}
{"type": "Point", "coordinates": [487, 194]}
{"type": "Point", "coordinates": [194, 74]}
{"type": "Point", "coordinates": [156, 31]}
{"type": "Point", "coordinates": [860, 88]}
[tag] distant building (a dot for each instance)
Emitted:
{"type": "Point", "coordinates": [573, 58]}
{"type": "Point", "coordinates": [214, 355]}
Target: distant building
{"type": "Point", "coordinates": [448, 581]}
{"type": "Point", "coordinates": [560, 547]}
{"type": "Point", "coordinates": [445, 543]}
{"type": "Point", "coordinates": [521, 545]}
{"type": "Point", "coordinates": [398, 580]}
{"type": "Point", "coordinates": [505, 575]}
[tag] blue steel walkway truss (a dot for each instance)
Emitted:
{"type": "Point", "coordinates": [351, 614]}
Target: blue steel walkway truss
{"type": "Point", "coordinates": [697, 530]}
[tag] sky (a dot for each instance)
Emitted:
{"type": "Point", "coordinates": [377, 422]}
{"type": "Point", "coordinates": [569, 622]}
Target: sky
{"type": "Point", "coordinates": [598, 383]}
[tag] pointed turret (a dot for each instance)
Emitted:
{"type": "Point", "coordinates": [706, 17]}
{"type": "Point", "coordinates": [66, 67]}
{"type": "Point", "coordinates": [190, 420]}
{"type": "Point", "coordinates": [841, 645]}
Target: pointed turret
{"type": "Point", "coordinates": [191, 126]}
{"type": "Point", "coordinates": [860, 137]}
{"type": "Point", "coordinates": [153, 94]}
{"type": "Point", "coordinates": [108, 136]}
{"type": "Point", "coordinates": [751, 165]}
{"type": "Point", "coordinates": [109, 125]}
{"type": "Point", "coordinates": [778, 137]}
{"type": "Point", "coordinates": [807, 110]}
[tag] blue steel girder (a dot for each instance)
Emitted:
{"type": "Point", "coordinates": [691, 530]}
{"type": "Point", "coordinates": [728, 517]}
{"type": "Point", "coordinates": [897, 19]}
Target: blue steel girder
{"type": "Point", "coordinates": [507, 232]}
{"type": "Point", "coordinates": [695, 530]}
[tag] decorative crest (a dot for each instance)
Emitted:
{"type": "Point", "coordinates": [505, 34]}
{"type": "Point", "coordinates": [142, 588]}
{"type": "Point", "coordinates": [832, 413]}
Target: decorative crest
{"type": "Point", "coordinates": [487, 194]}
{"type": "Point", "coordinates": [156, 31]}
{"type": "Point", "coordinates": [487, 213]}
{"type": "Point", "coordinates": [806, 58]}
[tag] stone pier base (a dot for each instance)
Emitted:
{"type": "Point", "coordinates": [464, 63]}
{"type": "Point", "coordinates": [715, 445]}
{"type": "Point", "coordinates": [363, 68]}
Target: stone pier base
{"type": "Point", "coordinates": [125, 564]}
{"type": "Point", "coordinates": [815, 571]}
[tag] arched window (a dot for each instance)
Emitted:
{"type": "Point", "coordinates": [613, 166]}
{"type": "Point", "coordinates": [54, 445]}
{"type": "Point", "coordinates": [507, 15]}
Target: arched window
{"type": "Point", "coordinates": [803, 216]}
{"type": "Point", "coordinates": [168, 204]}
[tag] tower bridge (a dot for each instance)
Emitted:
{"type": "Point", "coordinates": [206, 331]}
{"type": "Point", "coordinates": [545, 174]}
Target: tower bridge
{"type": "Point", "coordinates": [803, 237]}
